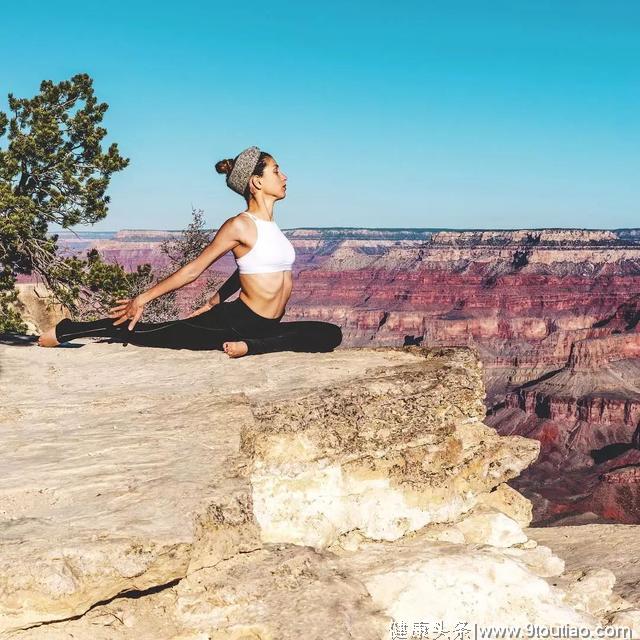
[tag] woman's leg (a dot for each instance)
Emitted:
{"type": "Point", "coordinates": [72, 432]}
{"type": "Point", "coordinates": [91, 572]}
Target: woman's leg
{"type": "Point", "coordinates": [303, 335]}
{"type": "Point", "coordinates": [203, 332]}
{"type": "Point", "coordinates": [226, 322]}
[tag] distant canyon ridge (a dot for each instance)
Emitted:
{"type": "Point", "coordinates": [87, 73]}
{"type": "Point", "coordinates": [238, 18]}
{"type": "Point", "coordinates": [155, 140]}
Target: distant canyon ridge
{"type": "Point", "coordinates": [553, 313]}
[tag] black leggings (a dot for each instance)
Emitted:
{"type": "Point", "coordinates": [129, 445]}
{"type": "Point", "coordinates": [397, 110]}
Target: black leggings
{"type": "Point", "coordinates": [225, 322]}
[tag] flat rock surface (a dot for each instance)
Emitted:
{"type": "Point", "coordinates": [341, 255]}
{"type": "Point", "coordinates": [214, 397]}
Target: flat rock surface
{"type": "Point", "coordinates": [150, 494]}
{"type": "Point", "coordinates": [594, 546]}
{"type": "Point", "coordinates": [110, 453]}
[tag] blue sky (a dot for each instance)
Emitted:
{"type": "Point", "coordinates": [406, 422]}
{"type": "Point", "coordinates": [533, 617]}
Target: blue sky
{"type": "Point", "coordinates": [511, 114]}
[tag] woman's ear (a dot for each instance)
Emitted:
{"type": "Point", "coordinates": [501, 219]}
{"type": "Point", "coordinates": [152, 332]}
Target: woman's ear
{"type": "Point", "coordinates": [256, 181]}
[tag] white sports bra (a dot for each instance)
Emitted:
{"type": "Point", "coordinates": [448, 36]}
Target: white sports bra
{"type": "Point", "coordinates": [271, 252]}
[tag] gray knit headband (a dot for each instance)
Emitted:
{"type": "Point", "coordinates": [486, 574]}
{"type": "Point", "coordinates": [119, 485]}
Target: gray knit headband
{"type": "Point", "coordinates": [242, 169]}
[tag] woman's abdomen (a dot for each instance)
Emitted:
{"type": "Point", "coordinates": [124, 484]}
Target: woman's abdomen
{"type": "Point", "coordinates": [267, 293]}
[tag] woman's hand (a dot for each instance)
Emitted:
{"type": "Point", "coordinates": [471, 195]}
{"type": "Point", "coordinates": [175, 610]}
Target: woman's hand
{"type": "Point", "coordinates": [213, 301]}
{"type": "Point", "coordinates": [129, 309]}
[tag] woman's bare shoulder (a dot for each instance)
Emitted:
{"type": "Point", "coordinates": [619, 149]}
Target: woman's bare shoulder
{"type": "Point", "coordinates": [237, 226]}
{"type": "Point", "coordinates": [241, 220]}
{"type": "Point", "coordinates": [237, 221]}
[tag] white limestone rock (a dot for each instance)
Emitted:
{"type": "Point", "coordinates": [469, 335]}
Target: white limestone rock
{"type": "Point", "coordinates": [492, 528]}
{"type": "Point", "coordinates": [389, 454]}
{"type": "Point", "coordinates": [591, 590]}
{"type": "Point", "coordinates": [628, 619]}
{"type": "Point", "coordinates": [539, 559]}
{"type": "Point", "coordinates": [414, 582]}
{"type": "Point", "coordinates": [510, 502]}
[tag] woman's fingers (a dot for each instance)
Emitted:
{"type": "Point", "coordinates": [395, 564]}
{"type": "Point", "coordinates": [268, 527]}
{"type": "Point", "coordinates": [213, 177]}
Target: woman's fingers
{"type": "Point", "coordinates": [135, 319]}
{"type": "Point", "coordinates": [200, 310]}
{"type": "Point", "coordinates": [117, 307]}
{"type": "Point", "coordinates": [123, 312]}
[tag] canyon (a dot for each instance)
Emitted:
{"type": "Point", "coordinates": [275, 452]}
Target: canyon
{"type": "Point", "coordinates": [552, 313]}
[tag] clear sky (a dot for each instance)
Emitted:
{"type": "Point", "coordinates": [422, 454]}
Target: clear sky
{"type": "Point", "coordinates": [467, 114]}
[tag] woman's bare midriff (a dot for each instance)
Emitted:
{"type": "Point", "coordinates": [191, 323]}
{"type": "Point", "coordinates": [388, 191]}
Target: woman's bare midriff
{"type": "Point", "coordinates": [266, 293]}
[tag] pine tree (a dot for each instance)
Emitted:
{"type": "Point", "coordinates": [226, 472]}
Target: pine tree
{"type": "Point", "coordinates": [53, 170]}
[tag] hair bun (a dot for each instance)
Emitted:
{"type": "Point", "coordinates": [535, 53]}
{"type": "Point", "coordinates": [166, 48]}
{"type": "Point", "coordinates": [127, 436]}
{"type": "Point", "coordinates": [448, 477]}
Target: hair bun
{"type": "Point", "coordinates": [225, 166]}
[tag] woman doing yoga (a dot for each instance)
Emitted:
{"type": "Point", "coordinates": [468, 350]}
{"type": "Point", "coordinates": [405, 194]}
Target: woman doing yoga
{"type": "Point", "coordinates": [251, 323]}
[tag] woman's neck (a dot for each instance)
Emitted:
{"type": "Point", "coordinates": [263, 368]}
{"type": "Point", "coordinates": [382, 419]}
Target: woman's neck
{"type": "Point", "coordinates": [262, 215]}
{"type": "Point", "coordinates": [264, 211]}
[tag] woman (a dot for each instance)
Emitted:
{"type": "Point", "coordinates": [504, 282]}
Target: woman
{"type": "Point", "coordinates": [251, 323]}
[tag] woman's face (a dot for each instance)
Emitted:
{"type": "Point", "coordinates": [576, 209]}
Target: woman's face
{"type": "Point", "coordinates": [274, 182]}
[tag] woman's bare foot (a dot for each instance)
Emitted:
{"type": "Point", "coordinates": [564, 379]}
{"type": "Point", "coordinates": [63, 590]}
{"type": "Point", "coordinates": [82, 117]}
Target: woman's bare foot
{"type": "Point", "coordinates": [48, 338]}
{"type": "Point", "coordinates": [235, 349]}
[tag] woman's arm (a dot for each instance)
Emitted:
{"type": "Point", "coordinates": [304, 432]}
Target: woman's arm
{"type": "Point", "coordinates": [176, 280]}
{"type": "Point", "coordinates": [226, 238]}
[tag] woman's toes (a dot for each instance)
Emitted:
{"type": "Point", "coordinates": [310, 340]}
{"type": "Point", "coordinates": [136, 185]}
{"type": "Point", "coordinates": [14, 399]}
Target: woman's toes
{"type": "Point", "coordinates": [235, 349]}
{"type": "Point", "coordinates": [48, 338]}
